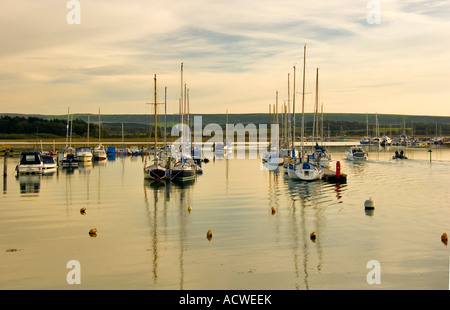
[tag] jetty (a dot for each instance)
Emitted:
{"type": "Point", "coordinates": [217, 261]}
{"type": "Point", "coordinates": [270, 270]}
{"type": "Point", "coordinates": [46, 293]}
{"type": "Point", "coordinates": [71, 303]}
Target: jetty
{"type": "Point", "coordinates": [331, 176]}
{"type": "Point", "coordinates": [334, 176]}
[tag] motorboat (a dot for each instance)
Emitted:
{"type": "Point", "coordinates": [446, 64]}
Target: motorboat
{"type": "Point", "coordinates": [134, 150]}
{"type": "Point", "coordinates": [356, 153]}
{"type": "Point", "coordinates": [400, 155]}
{"type": "Point", "coordinates": [30, 163]}
{"type": "Point", "coordinates": [71, 161]}
{"type": "Point", "coordinates": [364, 140]}
{"type": "Point", "coordinates": [273, 158]}
{"type": "Point", "coordinates": [49, 164]}
{"type": "Point", "coordinates": [99, 152]}
{"type": "Point", "coordinates": [84, 153]}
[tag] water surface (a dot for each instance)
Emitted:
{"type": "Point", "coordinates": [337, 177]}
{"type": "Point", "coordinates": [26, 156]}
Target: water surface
{"type": "Point", "coordinates": [147, 238]}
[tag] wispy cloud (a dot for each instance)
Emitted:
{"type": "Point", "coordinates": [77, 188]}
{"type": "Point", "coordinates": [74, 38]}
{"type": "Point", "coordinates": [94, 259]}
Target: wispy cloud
{"type": "Point", "coordinates": [236, 54]}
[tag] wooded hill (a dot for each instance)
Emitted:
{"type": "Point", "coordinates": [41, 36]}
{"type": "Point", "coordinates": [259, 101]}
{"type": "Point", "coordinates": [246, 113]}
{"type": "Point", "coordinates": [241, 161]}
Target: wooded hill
{"type": "Point", "coordinates": [140, 125]}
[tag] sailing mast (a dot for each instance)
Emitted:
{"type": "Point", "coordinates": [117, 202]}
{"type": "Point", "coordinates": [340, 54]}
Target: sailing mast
{"type": "Point", "coordinates": [293, 116]}
{"type": "Point", "coordinates": [303, 100]}
{"type": "Point", "coordinates": [156, 120]}
{"type": "Point", "coordinates": [99, 127]}
{"type": "Point", "coordinates": [288, 114]}
{"type": "Point", "coordinates": [67, 127]}
{"type": "Point", "coordinates": [88, 132]}
{"type": "Point", "coordinates": [165, 119]}
{"type": "Point", "coordinates": [316, 117]}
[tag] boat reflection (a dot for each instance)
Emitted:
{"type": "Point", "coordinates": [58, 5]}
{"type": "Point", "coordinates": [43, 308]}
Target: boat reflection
{"type": "Point", "coordinates": [85, 167]}
{"type": "Point", "coordinates": [161, 194]}
{"type": "Point", "coordinates": [29, 184]}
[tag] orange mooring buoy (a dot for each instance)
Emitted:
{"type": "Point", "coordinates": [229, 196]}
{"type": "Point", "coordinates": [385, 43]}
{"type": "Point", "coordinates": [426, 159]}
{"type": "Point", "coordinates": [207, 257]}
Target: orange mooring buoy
{"type": "Point", "coordinates": [444, 238]}
{"type": "Point", "coordinates": [313, 236]}
{"type": "Point", "coordinates": [93, 232]}
{"type": "Point", "coordinates": [209, 235]}
{"type": "Point", "coordinates": [274, 210]}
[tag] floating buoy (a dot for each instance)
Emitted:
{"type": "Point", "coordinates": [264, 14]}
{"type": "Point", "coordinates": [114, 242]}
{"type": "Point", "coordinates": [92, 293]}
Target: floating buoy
{"type": "Point", "coordinates": [189, 209]}
{"type": "Point", "coordinates": [83, 211]}
{"type": "Point", "coordinates": [312, 236]}
{"type": "Point", "coordinates": [274, 210]}
{"type": "Point", "coordinates": [209, 235]}
{"type": "Point", "coordinates": [368, 204]}
{"type": "Point", "coordinates": [444, 238]}
{"type": "Point", "coordinates": [93, 232]}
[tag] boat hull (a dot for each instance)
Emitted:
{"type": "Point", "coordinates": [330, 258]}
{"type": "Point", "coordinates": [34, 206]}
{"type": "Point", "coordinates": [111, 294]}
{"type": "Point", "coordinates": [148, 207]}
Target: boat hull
{"type": "Point", "coordinates": [156, 173]}
{"type": "Point", "coordinates": [30, 163]}
{"type": "Point", "coordinates": [304, 172]}
{"type": "Point", "coordinates": [356, 157]}
{"type": "Point", "coordinates": [182, 174]}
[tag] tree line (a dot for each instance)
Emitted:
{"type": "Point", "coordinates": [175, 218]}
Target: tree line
{"type": "Point", "coordinates": [35, 127]}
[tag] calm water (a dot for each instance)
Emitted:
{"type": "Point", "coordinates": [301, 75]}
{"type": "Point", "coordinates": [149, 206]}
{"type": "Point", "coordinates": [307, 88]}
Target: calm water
{"type": "Point", "coordinates": [147, 238]}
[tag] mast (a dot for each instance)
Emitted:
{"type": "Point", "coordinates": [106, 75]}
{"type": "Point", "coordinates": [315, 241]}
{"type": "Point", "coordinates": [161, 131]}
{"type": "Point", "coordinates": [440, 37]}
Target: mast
{"type": "Point", "coordinates": [99, 126]}
{"type": "Point", "coordinates": [276, 102]}
{"type": "Point", "coordinates": [181, 95]}
{"type": "Point", "coordinates": [321, 131]}
{"type": "Point", "coordinates": [88, 132]}
{"type": "Point", "coordinates": [367, 124]}
{"type": "Point", "coordinates": [181, 112]}
{"type": "Point", "coordinates": [185, 114]}
{"type": "Point", "coordinates": [288, 114]}
{"type": "Point", "coordinates": [316, 117]}
{"type": "Point", "coordinates": [156, 121]}
{"type": "Point", "coordinates": [67, 127]}
{"type": "Point", "coordinates": [71, 127]}
{"type": "Point", "coordinates": [293, 115]}
{"type": "Point", "coordinates": [303, 99]}
{"type": "Point", "coordinates": [165, 119]}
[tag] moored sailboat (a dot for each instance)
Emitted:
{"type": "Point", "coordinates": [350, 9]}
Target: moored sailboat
{"type": "Point", "coordinates": [156, 171]}
{"type": "Point", "coordinates": [99, 152]}
{"type": "Point", "coordinates": [183, 170]}
{"type": "Point", "coordinates": [301, 168]}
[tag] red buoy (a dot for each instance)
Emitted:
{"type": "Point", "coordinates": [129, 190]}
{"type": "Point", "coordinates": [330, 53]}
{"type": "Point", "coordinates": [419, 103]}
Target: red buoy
{"type": "Point", "coordinates": [338, 169]}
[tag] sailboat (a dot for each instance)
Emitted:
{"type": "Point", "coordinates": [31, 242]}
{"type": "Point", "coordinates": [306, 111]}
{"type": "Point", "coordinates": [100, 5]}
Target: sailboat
{"type": "Point", "coordinates": [319, 155]}
{"type": "Point", "coordinates": [183, 170]}
{"type": "Point", "coordinates": [273, 157]}
{"type": "Point", "coordinates": [227, 146]}
{"type": "Point", "coordinates": [302, 169]}
{"type": "Point", "coordinates": [123, 150]}
{"type": "Point", "coordinates": [68, 149]}
{"type": "Point", "coordinates": [99, 152]}
{"type": "Point", "coordinates": [156, 171]}
{"type": "Point", "coordinates": [84, 153]}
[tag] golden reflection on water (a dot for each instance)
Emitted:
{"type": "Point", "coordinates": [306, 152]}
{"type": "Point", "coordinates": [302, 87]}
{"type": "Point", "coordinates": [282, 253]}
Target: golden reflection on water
{"type": "Point", "coordinates": [149, 238]}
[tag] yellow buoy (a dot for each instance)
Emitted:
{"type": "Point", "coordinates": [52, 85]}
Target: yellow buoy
{"type": "Point", "coordinates": [274, 210]}
{"type": "Point", "coordinates": [444, 238]}
{"type": "Point", "coordinates": [190, 209]}
{"type": "Point", "coordinates": [209, 235]}
{"type": "Point", "coordinates": [93, 232]}
{"type": "Point", "coordinates": [83, 211]}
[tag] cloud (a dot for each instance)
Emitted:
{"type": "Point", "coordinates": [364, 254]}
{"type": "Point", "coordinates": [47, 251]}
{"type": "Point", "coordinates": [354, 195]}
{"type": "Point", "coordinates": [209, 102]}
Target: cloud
{"type": "Point", "coordinates": [236, 54]}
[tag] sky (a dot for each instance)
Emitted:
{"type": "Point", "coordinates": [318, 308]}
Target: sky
{"type": "Point", "coordinates": [373, 56]}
